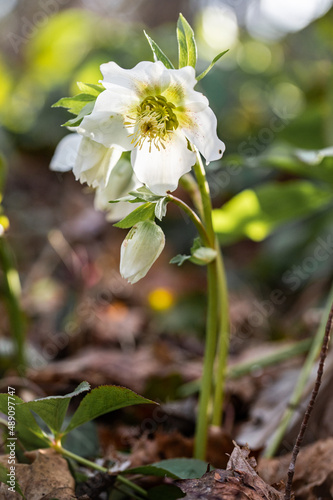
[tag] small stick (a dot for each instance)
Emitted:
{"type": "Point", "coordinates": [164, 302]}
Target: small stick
{"type": "Point", "coordinates": [323, 355]}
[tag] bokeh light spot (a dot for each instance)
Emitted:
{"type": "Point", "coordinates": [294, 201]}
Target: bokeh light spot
{"type": "Point", "coordinates": [161, 299]}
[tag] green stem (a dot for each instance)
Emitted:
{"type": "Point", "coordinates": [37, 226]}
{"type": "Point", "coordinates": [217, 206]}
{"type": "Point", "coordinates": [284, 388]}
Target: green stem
{"type": "Point", "coordinates": [13, 292]}
{"type": "Point", "coordinates": [200, 174]}
{"type": "Point", "coordinates": [223, 342]}
{"type": "Point", "coordinates": [59, 449]}
{"type": "Point", "coordinates": [302, 379]}
{"type": "Point", "coordinates": [193, 216]}
{"type": "Point", "coordinates": [201, 433]}
{"type": "Point", "coordinates": [189, 184]}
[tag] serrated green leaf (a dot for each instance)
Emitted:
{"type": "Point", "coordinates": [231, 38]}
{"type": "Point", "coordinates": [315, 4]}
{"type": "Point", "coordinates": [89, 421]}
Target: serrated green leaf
{"type": "Point", "coordinates": [74, 104]}
{"type": "Point", "coordinates": [22, 413]}
{"type": "Point", "coordinates": [161, 208]}
{"type": "Point", "coordinates": [214, 61]}
{"type": "Point", "coordinates": [180, 259]}
{"type": "Point", "coordinates": [86, 110]}
{"type": "Point", "coordinates": [176, 468]}
{"type": "Point", "coordinates": [187, 48]}
{"type": "Point", "coordinates": [90, 88]}
{"type": "Point", "coordinates": [4, 479]}
{"type": "Point", "coordinates": [158, 53]}
{"type": "Point", "coordinates": [144, 212]}
{"type": "Point", "coordinates": [52, 409]}
{"type": "Point", "coordinates": [102, 400]}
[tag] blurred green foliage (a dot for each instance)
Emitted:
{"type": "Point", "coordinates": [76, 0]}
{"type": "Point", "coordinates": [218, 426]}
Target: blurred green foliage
{"type": "Point", "coordinates": [271, 98]}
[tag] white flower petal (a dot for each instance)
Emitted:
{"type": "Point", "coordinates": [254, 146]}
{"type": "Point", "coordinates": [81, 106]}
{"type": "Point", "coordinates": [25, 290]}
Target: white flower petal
{"type": "Point", "coordinates": [146, 78]}
{"type": "Point", "coordinates": [94, 162]}
{"type": "Point", "coordinates": [161, 169]}
{"type": "Point", "coordinates": [201, 131]}
{"type": "Point", "coordinates": [107, 129]}
{"type": "Point", "coordinates": [122, 181]}
{"type": "Point", "coordinates": [66, 152]}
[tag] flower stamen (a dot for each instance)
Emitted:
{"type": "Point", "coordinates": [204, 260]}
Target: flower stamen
{"type": "Point", "coordinates": [154, 121]}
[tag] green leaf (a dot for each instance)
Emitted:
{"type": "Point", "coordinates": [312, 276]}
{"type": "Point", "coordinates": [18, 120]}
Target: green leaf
{"type": "Point", "coordinates": [158, 53]}
{"type": "Point", "coordinates": [161, 208]}
{"type": "Point", "coordinates": [144, 212]}
{"type": "Point", "coordinates": [22, 413]}
{"type": "Point", "coordinates": [102, 400]}
{"type": "Point", "coordinates": [90, 88]}
{"type": "Point", "coordinates": [86, 110]}
{"type": "Point", "coordinates": [176, 468]}
{"type": "Point", "coordinates": [180, 259]}
{"type": "Point", "coordinates": [187, 48]}
{"type": "Point", "coordinates": [4, 478]}
{"type": "Point", "coordinates": [74, 104]}
{"type": "Point", "coordinates": [53, 409]}
{"type": "Point", "coordinates": [165, 492]}
{"type": "Point", "coordinates": [144, 194]}
{"type": "Point", "coordinates": [214, 61]}
{"type": "Point", "coordinates": [256, 213]}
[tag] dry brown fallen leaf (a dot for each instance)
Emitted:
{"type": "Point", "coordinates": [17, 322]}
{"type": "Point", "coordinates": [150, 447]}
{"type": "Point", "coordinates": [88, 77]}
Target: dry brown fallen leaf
{"type": "Point", "coordinates": [239, 482]}
{"type": "Point", "coordinates": [165, 445]}
{"type": "Point", "coordinates": [47, 477]}
{"type": "Point", "coordinates": [313, 477]}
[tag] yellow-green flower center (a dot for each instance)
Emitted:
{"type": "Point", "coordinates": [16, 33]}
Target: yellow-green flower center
{"type": "Point", "coordinates": [154, 120]}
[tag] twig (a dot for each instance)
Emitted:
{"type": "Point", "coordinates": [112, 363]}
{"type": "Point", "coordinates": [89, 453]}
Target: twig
{"type": "Point", "coordinates": [323, 355]}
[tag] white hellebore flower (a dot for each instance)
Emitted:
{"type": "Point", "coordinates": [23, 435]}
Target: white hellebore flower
{"type": "Point", "coordinates": [99, 167]}
{"type": "Point", "coordinates": [153, 112]}
{"type": "Point", "coordinates": [90, 161]}
{"type": "Point", "coordinates": [139, 250]}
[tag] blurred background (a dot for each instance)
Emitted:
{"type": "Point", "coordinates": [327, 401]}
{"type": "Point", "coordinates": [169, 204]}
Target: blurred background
{"type": "Point", "coordinates": [273, 96]}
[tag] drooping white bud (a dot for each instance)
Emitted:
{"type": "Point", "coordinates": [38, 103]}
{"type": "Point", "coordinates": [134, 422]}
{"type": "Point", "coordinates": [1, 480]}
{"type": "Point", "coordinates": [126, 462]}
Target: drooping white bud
{"type": "Point", "coordinates": [139, 250]}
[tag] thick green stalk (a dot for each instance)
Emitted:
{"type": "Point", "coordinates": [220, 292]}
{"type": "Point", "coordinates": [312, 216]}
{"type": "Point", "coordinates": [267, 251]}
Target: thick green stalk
{"type": "Point", "coordinates": [13, 292]}
{"type": "Point", "coordinates": [223, 342]}
{"type": "Point", "coordinates": [59, 449]}
{"type": "Point", "coordinates": [201, 433]}
{"type": "Point", "coordinates": [302, 379]}
{"type": "Point", "coordinates": [200, 174]}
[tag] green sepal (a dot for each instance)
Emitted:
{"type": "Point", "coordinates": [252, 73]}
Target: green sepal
{"type": "Point", "coordinates": [203, 256]}
{"type": "Point", "coordinates": [187, 48]}
{"type": "Point", "coordinates": [158, 53]}
{"type": "Point", "coordinates": [214, 61]}
{"type": "Point", "coordinates": [200, 255]}
{"type": "Point", "coordinates": [144, 212]}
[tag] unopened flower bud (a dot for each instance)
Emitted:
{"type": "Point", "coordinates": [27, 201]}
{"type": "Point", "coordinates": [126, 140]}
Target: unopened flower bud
{"type": "Point", "coordinates": [139, 250]}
